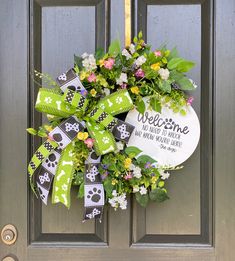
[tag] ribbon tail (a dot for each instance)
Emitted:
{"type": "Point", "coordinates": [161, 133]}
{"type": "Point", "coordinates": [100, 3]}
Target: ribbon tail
{"type": "Point", "coordinates": [93, 188]}
{"type": "Point", "coordinates": [39, 156]}
{"type": "Point", "coordinates": [63, 177]}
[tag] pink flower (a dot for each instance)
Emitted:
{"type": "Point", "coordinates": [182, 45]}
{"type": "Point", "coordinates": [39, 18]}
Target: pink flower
{"type": "Point", "coordinates": [128, 176]}
{"type": "Point", "coordinates": [123, 86]}
{"type": "Point", "coordinates": [139, 73]}
{"type": "Point", "coordinates": [89, 143]}
{"type": "Point", "coordinates": [158, 53]}
{"type": "Point", "coordinates": [91, 78]}
{"type": "Point", "coordinates": [108, 64]}
{"type": "Point", "coordinates": [190, 100]}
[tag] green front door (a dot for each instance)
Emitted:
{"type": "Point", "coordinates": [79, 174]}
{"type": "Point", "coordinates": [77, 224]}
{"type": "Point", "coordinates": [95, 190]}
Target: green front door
{"type": "Point", "coordinates": [197, 223]}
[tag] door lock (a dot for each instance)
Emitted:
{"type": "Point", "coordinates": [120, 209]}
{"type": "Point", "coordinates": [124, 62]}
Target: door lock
{"type": "Point", "coordinates": [9, 234]}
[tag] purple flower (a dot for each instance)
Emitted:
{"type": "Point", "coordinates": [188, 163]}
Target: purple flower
{"type": "Point", "coordinates": [148, 165]}
{"type": "Point", "coordinates": [139, 73]}
{"type": "Point", "coordinates": [104, 175]}
{"type": "Point", "coordinates": [104, 166]}
{"type": "Point", "coordinates": [84, 92]}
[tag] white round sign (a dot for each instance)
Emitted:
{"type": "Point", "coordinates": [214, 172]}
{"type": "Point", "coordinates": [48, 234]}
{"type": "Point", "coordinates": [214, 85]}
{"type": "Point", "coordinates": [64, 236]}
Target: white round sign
{"type": "Point", "coordinates": [169, 138]}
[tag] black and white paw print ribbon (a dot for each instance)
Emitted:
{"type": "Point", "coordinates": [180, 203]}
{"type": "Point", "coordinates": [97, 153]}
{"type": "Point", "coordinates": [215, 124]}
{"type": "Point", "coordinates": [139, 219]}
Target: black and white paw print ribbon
{"type": "Point", "coordinates": [93, 188]}
{"type": "Point", "coordinates": [70, 80]}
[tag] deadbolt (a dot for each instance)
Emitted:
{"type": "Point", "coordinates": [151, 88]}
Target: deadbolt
{"type": "Point", "coordinates": [9, 234]}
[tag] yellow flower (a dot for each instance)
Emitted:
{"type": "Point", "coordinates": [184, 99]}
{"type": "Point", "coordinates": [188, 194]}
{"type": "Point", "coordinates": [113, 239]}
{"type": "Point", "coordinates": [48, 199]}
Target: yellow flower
{"type": "Point", "coordinates": [155, 66]}
{"type": "Point", "coordinates": [83, 75]}
{"type": "Point", "coordinates": [127, 163]}
{"type": "Point", "coordinates": [135, 90]}
{"type": "Point", "coordinates": [82, 135]}
{"type": "Point", "coordinates": [101, 62]}
{"type": "Point", "coordinates": [154, 179]}
{"type": "Point", "coordinates": [48, 127]}
{"type": "Point", "coordinates": [114, 182]}
{"type": "Point", "coordinates": [93, 92]}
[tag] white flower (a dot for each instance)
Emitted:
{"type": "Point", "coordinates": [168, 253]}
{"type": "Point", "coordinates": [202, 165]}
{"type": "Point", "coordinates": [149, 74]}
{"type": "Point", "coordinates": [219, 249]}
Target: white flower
{"type": "Point", "coordinates": [132, 48]}
{"type": "Point", "coordinates": [106, 91]}
{"type": "Point", "coordinates": [193, 83]}
{"type": "Point", "coordinates": [120, 146]}
{"type": "Point", "coordinates": [118, 200]}
{"type": "Point", "coordinates": [164, 175]}
{"type": "Point", "coordinates": [122, 78]}
{"type": "Point", "coordinates": [137, 172]}
{"type": "Point", "coordinates": [143, 190]}
{"type": "Point", "coordinates": [164, 73]}
{"type": "Point", "coordinates": [89, 62]}
{"type": "Point", "coordinates": [136, 189]}
{"type": "Point", "coordinates": [126, 54]}
{"type": "Point", "coordinates": [132, 166]}
{"type": "Point", "coordinates": [48, 100]}
{"type": "Point", "coordinates": [140, 60]}
{"type": "Point", "coordinates": [85, 55]}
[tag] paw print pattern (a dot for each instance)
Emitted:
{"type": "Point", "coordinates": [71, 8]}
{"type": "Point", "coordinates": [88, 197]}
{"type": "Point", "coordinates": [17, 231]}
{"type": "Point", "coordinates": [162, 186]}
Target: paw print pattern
{"type": "Point", "coordinates": [69, 127]}
{"type": "Point", "coordinates": [44, 178]}
{"type": "Point", "coordinates": [105, 140]}
{"type": "Point", "coordinates": [48, 100]}
{"type": "Point", "coordinates": [119, 100]}
{"type": "Point", "coordinates": [51, 161]}
{"type": "Point", "coordinates": [169, 124]}
{"type": "Point", "coordinates": [94, 195]}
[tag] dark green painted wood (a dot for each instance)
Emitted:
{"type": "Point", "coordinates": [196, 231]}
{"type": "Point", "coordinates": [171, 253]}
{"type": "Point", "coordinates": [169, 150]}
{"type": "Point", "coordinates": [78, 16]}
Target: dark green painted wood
{"type": "Point", "coordinates": [20, 52]}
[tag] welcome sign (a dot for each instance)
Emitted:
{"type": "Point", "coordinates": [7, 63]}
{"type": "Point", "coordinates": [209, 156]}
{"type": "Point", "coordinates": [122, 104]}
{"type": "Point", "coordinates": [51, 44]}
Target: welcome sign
{"type": "Point", "coordinates": [168, 137]}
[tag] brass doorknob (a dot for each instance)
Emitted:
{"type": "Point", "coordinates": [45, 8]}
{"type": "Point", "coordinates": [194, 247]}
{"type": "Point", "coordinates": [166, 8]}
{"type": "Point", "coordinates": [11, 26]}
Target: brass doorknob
{"type": "Point", "coordinates": [9, 234]}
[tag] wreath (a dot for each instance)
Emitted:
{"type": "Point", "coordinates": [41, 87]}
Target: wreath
{"type": "Point", "coordinates": [87, 137]}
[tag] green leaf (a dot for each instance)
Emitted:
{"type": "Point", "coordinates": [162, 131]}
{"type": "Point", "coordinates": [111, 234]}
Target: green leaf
{"type": "Point", "coordinates": [99, 54]}
{"type": "Point", "coordinates": [183, 112]}
{"type": "Point", "coordinates": [174, 62]}
{"type": "Point", "coordinates": [108, 186]}
{"type": "Point", "coordinates": [185, 66]}
{"type": "Point", "coordinates": [185, 84]}
{"type": "Point", "coordinates": [142, 199]}
{"type": "Point", "coordinates": [155, 104]}
{"type": "Point", "coordinates": [114, 48]}
{"type": "Point", "coordinates": [158, 195]}
{"type": "Point", "coordinates": [175, 75]}
{"type": "Point", "coordinates": [132, 150]}
{"type": "Point", "coordinates": [32, 131]}
{"type": "Point", "coordinates": [78, 61]}
{"type": "Point", "coordinates": [140, 106]}
{"type": "Point", "coordinates": [173, 54]}
{"type": "Point", "coordinates": [144, 159]}
{"type": "Point", "coordinates": [81, 191]}
{"type": "Point", "coordinates": [42, 133]}
{"type": "Point", "coordinates": [165, 86]}
{"type": "Point", "coordinates": [140, 34]}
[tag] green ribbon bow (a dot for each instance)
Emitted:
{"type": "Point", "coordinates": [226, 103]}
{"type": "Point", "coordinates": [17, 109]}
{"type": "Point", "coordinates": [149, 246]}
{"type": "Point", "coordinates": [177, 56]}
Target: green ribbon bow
{"type": "Point", "coordinates": [99, 121]}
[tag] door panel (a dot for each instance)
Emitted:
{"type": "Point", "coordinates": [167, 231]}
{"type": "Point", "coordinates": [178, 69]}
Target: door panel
{"type": "Point", "coordinates": [197, 222]}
